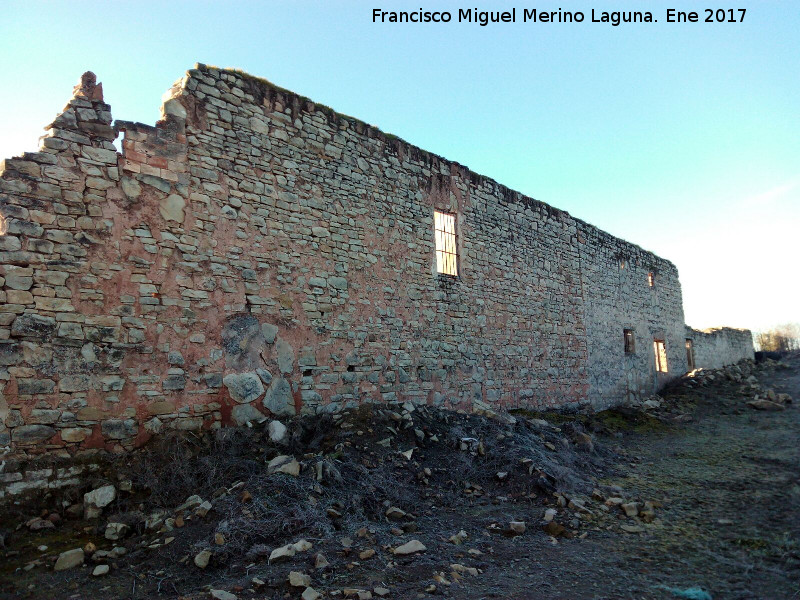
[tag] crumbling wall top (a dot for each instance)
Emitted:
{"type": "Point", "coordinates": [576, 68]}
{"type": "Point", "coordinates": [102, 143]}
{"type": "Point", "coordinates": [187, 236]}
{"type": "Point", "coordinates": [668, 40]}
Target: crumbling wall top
{"type": "Point", "coordinates": [267, 93]}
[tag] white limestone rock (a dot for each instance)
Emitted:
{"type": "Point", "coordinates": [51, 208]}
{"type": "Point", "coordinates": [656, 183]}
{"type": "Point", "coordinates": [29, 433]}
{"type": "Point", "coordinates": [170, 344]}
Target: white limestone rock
{"type": "Point", "coordinates": [69, 559]}
{"type": "Point", "coordinates": [171, 208]}
{"type": "Point", "coordinates": [411, 547]}
{"type": "Point", "coordinates": [95, 501]}
{"type": "Point", "coordinates": [277, 431]}
{"type": "Point", "coordinates": [284, 464]}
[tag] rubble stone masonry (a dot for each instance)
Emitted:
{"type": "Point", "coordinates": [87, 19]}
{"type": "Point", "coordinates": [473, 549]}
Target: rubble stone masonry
{"type": "Point", "coordinates": [258, 254]}
{"type": "Point", "coordinates": [714, 348]}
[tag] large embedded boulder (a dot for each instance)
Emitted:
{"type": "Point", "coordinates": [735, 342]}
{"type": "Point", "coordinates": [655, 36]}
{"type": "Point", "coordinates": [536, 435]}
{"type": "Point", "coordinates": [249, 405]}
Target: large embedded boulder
{"type": "Point", "coordinates": [279, 400]}
{"type": "Point", "coordinates": [242, 343]}
{"type": "Point", "coordinates": [244, 387]}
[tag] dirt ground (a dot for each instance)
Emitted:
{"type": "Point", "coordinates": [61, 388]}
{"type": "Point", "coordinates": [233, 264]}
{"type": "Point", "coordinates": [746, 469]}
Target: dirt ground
{"type": "Point", "coordinates": [729, 481]}
{"type": "Point", "coordinates": [714, 482]}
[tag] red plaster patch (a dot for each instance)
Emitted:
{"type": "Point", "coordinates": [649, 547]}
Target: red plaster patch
{"type": "Point", "coordinates": [95, 439]}
{"type": "Point", "coordinates": [226, 406]}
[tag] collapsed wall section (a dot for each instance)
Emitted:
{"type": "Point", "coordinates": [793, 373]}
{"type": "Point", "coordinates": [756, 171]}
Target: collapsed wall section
{"type": "Point", "coordinates": [56, 323]}
{"type": "Point", "coordinates": [256, 254]}
{"type": "Point", "coordinates": [717, 347]}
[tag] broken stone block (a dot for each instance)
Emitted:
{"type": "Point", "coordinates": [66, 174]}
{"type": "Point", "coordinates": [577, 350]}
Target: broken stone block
{"type": "Point", "coordinates": [282, 553]}
{"type": "Point", "coordinates": [411, 547]}
{"type": "Point", "coordinates": [69, 559]}
{"type": "Point", "coordinates": [517, 527]}
{"type": "Point", "coordinates": [298, 579]}
{"type": "Point", "coordinates": [95, 501]}
{"type": "Point", "coordinates": [277, 431]}
{"type": "Point", "coordinates": [202, 559]}
{"type": "Point", "coordinates": [310, 594]}
{"type": "Point", "coordinates": [101, 570]}
{"type": "Point", "coordinates": [173, 107]}
{"type": "Point", "coordinates": [459, 538]}
{"type": "Point", "coordinates": [631, 509]}
{"type": "Point", "coordinates": [242, 414]}
{"type": "Point", "coordinates": [302, 546]}
{"type": "Point", "coordinates": [115, 531]}
{"type": "Point", "coordinates": [554, 529]}
{"type": "Point", "coordinates": [395, 514]}
{"type": "Point", "coordinates": [320, 562]}
{"type": "Point", "coordinates": [284, 464]}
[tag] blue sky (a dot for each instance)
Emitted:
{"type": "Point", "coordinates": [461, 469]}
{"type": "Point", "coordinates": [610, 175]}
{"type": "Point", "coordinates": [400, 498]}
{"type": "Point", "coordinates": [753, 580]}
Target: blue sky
{"type": "Point", "coordinates": [682, 138]}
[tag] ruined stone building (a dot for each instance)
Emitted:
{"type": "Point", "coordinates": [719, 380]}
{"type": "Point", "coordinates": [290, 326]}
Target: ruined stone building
{"type": "Point", "coordinates": [257, 254]}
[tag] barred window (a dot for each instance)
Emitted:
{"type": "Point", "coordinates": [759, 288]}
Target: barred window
{"type": "Point", "coordinates": [651, 279]}
{"type": "Point", "coordinates": [661, 355]}
{"type": "Point", "coordinates": [446, 253]}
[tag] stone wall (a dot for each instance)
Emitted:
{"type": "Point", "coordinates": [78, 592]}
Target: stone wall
{"type": "Point", "coordinates": [721, 346]}
{"type": "Point", "coordinates": [24, 478]}
{"type": "Point", "coordinates": [616, 281]}
{"type": "Point", "coordinates": [255, 254]}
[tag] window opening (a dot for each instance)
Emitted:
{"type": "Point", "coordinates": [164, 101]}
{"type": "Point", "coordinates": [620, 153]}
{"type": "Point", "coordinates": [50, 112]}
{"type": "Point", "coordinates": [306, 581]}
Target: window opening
{"type": "Point", "coordinates": [690, 354]}
{"type": "Point", "coordinates": [630, 346]}
{"type": "Point", "coordinates": [446, 253]}
{"type": "Point", "coordinates": [661, 355]}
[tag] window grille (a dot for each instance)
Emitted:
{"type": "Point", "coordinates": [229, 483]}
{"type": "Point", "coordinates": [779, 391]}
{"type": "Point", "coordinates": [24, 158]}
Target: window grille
{"type": "Point", "coordinates": [446, 253]}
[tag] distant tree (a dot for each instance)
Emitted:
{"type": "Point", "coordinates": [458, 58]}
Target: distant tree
{"type": "Point", "coordinates": [781, 338]}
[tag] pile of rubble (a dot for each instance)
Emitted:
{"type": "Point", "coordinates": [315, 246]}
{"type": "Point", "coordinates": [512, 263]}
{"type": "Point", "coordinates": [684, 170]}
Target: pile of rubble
{"type": "Point", "coordinates": [741, 379]}
{"type": "Point", "coordinates": [298, 506]}
{"type": "Point", "coordinates": [745, 374]}
{"type": "Point", "coordinates": [344, 505]}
